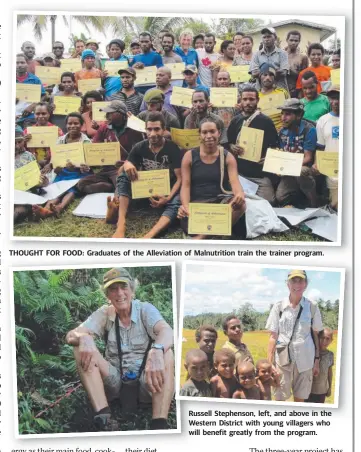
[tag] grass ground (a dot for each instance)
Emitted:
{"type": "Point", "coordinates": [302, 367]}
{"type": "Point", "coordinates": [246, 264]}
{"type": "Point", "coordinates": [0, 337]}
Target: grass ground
{"type": "Point", "coordinates": [257, 342]}
{"type": "Point", "coordinates": [139, 222]}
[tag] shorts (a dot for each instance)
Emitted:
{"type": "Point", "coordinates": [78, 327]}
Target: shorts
{"type": "Point", "coordinates": [113, 383]}
{"type": "Point", "coordinates": [124, 189]}
{"type": "Point", "coordinates": [316, 398]}
{"type": "Point", "coordinates": [290, 379]}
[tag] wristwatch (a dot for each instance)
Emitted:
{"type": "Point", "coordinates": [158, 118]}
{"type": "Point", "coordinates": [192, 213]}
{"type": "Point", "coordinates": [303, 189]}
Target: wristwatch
{"type": "Point", "coordinates": [158, 346]}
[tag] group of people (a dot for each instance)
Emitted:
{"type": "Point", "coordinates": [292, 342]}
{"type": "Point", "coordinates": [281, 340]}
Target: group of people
{"type": "Point", "coordinates": [298, 361]}
{"type": "Point", "coordinates": [308, 120]}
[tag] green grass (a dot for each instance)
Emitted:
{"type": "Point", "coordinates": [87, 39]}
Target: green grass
{"type": "Point", "coordinates": [139, 222]}
{"type": "Point", "coordinates": [257, 342]}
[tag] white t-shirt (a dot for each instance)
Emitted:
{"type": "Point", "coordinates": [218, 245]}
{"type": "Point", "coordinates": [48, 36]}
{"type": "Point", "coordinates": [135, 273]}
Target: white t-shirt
{"type": "Point", "coordinates": [205, 60]}
{"type": "Point", "coordinates": [327, 129]}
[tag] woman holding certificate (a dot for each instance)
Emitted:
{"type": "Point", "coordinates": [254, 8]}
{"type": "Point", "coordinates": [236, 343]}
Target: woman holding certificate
{"type": "Point", "coordinates": [209, 175]}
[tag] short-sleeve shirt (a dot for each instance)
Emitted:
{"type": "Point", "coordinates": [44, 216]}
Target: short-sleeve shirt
{"type": "Point", "coordinates": [323, 73]}
{"type": "Point", "coordinates": [241, 351]}
{"type": "Point", "coordinates": [320, 383]}
{"type": "Point", "coordinates": [277, 58]}
{"type": "Point", "coordinates": [192, 388]}
{"type": "Point", "coordinates": [134, 338]}
{"type": "Point", "coordinates": [169, 157]}
{"type": "Point", "coordinates": [205, 61]}
{"type": "Point", "coordinates": [133, 101]}
{"type": "Point", "coordinates": [148, 59]}
{"type": "Point", "coordinates": [213, 116]}
{"type": "Point", "coordinates": [302, 348]}
{"type": "Point", "coordinates": [316, 108]}
{"type": "Point", "coordinates": [23, 159]}
{"type": "Point", "coordinates": [304, 140]}
{"type": "Point", "coordinates": [327, 128]}
{"type": "Point", "coordinates": [190, 58]}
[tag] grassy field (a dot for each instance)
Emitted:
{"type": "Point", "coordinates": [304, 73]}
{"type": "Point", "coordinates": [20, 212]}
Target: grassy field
{"type": "Point", "coordinates": [139, 222]}
{"type": "Point", "coordinates": [257, 342]}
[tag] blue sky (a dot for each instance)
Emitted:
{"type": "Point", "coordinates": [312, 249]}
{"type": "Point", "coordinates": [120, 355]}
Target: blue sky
{"type": "Point", "coordinates": [216, 288]}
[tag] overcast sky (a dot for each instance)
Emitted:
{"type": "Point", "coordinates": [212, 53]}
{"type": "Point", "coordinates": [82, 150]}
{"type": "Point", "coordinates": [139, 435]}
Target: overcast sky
{"type": "Point", "coordinates": [222, 288]}
{"type": "Point", "coordinates": [63, 32]}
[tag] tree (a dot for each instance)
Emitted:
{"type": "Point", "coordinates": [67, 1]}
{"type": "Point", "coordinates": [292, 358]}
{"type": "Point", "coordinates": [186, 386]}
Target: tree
{"type": "Point", "coordinates": [225, 28]}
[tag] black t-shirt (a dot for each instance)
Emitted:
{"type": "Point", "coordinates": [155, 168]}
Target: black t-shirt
{"type": "Point", "coordinates": [169, 157]}
{"type": "Point", "coordinates": [270, 140]}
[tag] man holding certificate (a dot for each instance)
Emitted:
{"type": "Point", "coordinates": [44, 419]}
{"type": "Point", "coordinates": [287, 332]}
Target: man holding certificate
{"type": "Point", "coordinates": [153, 155]}
{"type": "Point", "coordinates": [252, 118]}
{"type": "Point", "coordinates": [127, 93]}
{"type": "Point", "coordinates": [115, 130]}
{"type": "Point", "coordinates": [209, 177]}
{"type": "Point", "coordinates": [89, 70]}
{"type": "Point", "coordinates": [297, 136]}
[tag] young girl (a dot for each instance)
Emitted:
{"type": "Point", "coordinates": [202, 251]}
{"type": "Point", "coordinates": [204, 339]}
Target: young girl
{"type": "Point", "coordinates": [322, 384]}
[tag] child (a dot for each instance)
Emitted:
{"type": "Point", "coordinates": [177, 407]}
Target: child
{"type": "Point", "coordinates": [247, 379]}
{"type": "Point", "coordinates": [233, 329]}
{"type": "Point", "coordinates": [265, 378]}
{"type": "Point", "coordinates": [224, 383]}
{"type": "Point", "coordinates": [206, 338]}
{"type": "Point", "coordinates": [322, 384]}
{"type": "Point", "coordinates": [197, 366]}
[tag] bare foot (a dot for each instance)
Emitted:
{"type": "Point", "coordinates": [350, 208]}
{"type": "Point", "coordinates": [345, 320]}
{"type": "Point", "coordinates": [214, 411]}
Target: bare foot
{"type": "Point", "coordinates": [56, 209]}
{"type": "Point", "coordinates": [112, 210]}
{"type": "Point", "coordinates": [41, 212]}
{"type": "Point", "coordinates": [118, 234]}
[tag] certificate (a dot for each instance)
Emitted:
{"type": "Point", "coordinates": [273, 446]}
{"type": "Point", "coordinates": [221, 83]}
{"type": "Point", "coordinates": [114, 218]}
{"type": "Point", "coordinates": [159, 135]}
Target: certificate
{"type": "Point", "coordinates": [136, 124]}
{"type": "Point", "coordinates": [185, 138]}
{"type": "Point", "coordinates": [283, 163]}
{"type": "Point", "coordinates": [61, 154]}
{"type": "Point", "coordinates": [90, 84]}
{"type": "Point", "coordinates": [239, 74]}
{"type": "Point", "coordinates": [151, 183]}
{"type": "Point", "coordinates": [269, 103]}
{"type": "Point", "coordinates": [210, 219]}
{"type": "Point", "coordinates": [98, 115]}
{"type": "Point", "coordinates": [335, 77]}
{"type": "Point", "coordinates": [70, 65]}
{"type": "Point", "coordinates": [28, 93]}
{"type": "Point", "coordinates": [146, 76]}
{"type": "Point", "coordinates": [177, 69]}
{"type": "Point", "coordinates": [251, 140]}
{"type": "Point", "coordinates": [112, 67]}
{"type": "Point", "coordinates": [182, 97]}
{"type": "Point", "coordinates": [66, 104]}
{"type": "Point", "coordinates": [42, 137]}
{"type": "Point", "coordinates": [224, 97]}
{"type": "Point", "coordinates": [327, 163]}
{"type": "Point", "coordinates": [49, 75]}
{"type": "Point", "coordinates": [97, 154]}
{"type": "Point", "coordinates": [28, 176]}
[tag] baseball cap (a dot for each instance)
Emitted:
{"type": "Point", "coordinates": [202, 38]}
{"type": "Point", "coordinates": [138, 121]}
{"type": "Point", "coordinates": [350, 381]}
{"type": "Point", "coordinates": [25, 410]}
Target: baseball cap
{"type": "Point", "coordinates": [129, 70]}
{"type": "Point", "coordinates": [87, 53]}
{"type": "Point", "coordinates": [116, 275]}
{"type": "Point", "coordinates": [135, 42]}
{"type": "Point", "coordinates": [296, 274]}
{"type": "Point", "coordinates": [191, 68]}
{"type": "Point", "coordinates": [292, 104]}
{"type": "Point", "coordinates": [48, 55]}
{"type": "Point", "coordinates": [155, 95]}
{"type": "Point", "coordinates": [92, 41]}
{"type": "Point", "coordinates": [268, 30]}
{"type": "Point", "coordinates": [333, 89]}
{"type": "Point", "coordinates": [116, 106]}
{"type": "Point", "coordinates": [267, 68]}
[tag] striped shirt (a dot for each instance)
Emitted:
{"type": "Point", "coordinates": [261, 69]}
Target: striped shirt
{"type": "Point", "coordinates": [133, 102]}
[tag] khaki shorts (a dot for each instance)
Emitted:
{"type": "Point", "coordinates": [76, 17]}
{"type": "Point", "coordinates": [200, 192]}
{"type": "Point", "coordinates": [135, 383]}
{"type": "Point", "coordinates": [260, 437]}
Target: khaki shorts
{"type": "Point", "coordinates": [113, 383]}
{"type": "Point", "coordinates": [290, 379]}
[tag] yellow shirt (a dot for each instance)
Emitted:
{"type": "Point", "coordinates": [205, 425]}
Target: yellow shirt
{"type": "Point", "coordinates": [241, 351]}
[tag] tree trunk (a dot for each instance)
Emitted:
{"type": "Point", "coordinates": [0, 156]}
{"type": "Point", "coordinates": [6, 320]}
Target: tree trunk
{"type": "Point", "coordinates": [52, 20]}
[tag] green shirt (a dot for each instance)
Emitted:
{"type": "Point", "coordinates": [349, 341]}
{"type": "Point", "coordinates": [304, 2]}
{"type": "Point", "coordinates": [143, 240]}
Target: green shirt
{"type": "Point", "coordinates": [316, 108]}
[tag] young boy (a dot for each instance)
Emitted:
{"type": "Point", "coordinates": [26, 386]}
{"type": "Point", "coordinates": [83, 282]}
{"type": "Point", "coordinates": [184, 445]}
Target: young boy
{"type": "Point", "coordinates": [247, 380]}
{"type": "Point", "coordinates": [206, 338]}
{"type": "Point", "coordinates": [233, 329]}
{"type": "Point", "coordinates": [265, 378]}
{"type": "Point", "coordinates": [197, 366]}
{"type": "Point", "coordinates": [224, 383]}
{"type": "Point", "coordinates": [322, 384]}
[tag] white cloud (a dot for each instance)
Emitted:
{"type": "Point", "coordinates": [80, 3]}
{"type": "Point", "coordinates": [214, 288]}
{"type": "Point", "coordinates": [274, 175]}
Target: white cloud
{"type": "Point", "coordinates": [313, 294]}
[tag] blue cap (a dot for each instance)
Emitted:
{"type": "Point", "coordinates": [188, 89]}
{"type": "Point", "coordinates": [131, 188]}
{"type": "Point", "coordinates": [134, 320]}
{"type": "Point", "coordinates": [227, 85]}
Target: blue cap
{"type": "Point", "coordinates": [267, 68]}
{"type": "Point", "coordinates": [87, 53]}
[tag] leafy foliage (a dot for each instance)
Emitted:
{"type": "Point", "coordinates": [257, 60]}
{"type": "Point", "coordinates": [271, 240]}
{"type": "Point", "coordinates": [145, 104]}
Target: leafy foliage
{"type": "Point", "coordinates": [49, 303]}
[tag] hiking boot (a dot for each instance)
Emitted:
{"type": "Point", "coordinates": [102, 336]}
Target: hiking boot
{"type": "Point", "coordinates": [105, 423]}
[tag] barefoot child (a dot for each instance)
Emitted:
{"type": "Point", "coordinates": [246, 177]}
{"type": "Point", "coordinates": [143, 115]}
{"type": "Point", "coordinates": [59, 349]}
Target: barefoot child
{"type": "Point", "coordinates": [322, 384]}
{"type": "Point", "coordinates": [224, 384]}
{"type": "Point", "coordinates": [247, 379]}
{"type": "Point", "coordinates": [265, 378]}
{"type": "Point", "coordinates": [197, 367]}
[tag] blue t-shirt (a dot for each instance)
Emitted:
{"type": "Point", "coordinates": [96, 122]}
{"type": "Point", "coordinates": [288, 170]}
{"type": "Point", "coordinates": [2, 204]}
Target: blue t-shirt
{"type": "Point", "coordinates": [113, 84]}
{"type": "Point", "coordinates": [304, 140]}
{"type": "Point", "coordinates": [148, 59]}
{"type": "Point", "coordinates": [190, 58]}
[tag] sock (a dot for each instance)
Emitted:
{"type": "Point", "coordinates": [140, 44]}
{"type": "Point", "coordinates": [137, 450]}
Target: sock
{"type": "Point", "coordinates": [105, 410]}
{"type": "Point", "coordinates": [159, 424]}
